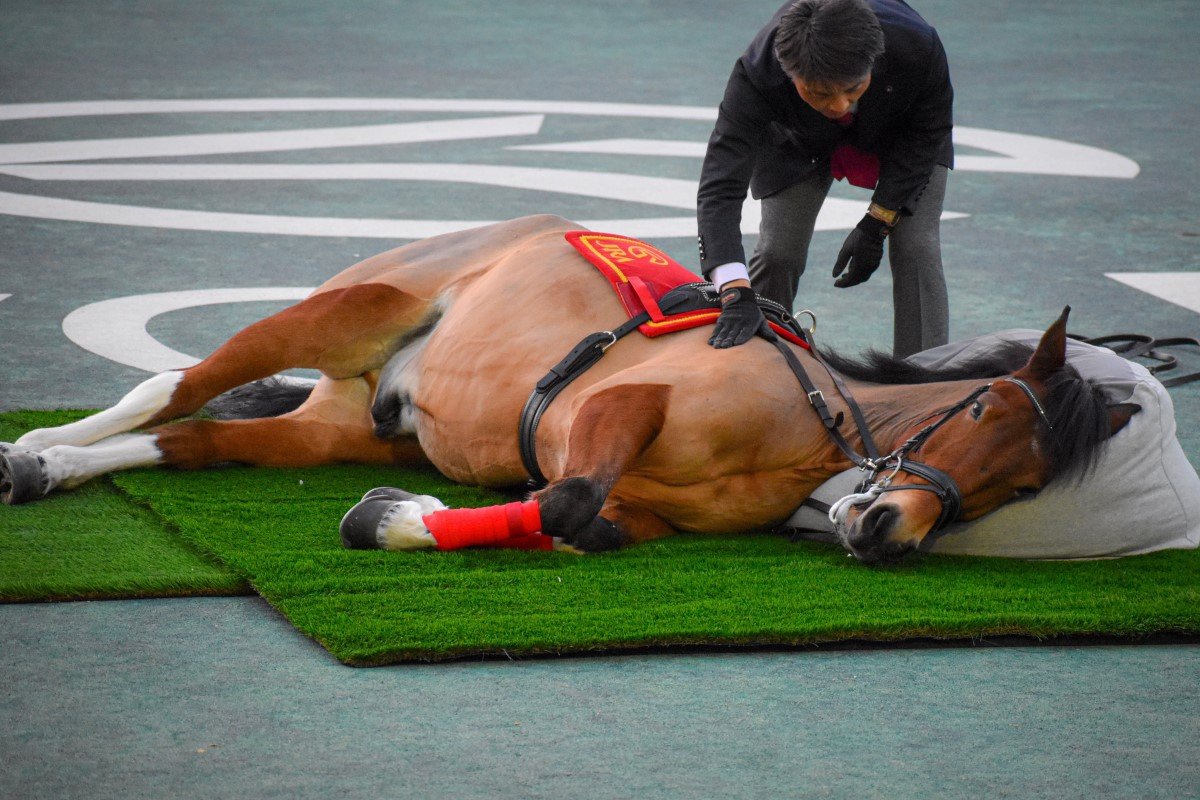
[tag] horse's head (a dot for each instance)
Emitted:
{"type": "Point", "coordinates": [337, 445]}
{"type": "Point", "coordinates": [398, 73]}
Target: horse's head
{"type": "Point", "coordinates": [1006, 438]}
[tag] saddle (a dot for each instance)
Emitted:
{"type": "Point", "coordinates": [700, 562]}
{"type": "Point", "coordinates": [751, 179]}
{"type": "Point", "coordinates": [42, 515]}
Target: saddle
{"type": "Point", "coordinates": [648, 281]}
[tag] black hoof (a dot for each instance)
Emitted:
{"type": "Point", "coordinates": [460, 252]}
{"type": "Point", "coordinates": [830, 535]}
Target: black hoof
{"type": "Point", "coordinates": [389, 493]}
{"type": "Point", "coordinates": [360, 526]}
{"type": "Point", "coordinates": [22, 477]}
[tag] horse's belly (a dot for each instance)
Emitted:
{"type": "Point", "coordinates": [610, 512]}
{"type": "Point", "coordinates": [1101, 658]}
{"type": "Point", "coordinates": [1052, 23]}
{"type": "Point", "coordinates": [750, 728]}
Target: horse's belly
{"type": "Point", "coordinates": [494, 343]}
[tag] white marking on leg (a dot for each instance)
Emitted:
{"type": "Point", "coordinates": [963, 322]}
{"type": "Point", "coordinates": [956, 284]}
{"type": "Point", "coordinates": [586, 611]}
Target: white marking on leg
{"type": "Point", "coordinates": [402, 526]}
{"type": "Point", "coordinates": [67, 466]}
{"type": "Point", "coordinates": [134, 409]}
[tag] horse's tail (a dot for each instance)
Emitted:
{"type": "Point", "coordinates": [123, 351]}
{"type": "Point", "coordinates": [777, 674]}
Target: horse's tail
{"type": "Point", "coordinates": [269, 397]}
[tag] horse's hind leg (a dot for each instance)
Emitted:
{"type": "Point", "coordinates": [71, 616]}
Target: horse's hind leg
{"type": "Point", "coordinates": [333, 425]}
{"type": "Point", "coordinates": [343, 332]}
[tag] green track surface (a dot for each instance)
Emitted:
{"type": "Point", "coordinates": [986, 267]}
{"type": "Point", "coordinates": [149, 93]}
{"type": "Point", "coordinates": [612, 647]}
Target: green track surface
{"type": "Point", "coordinates": [278, 529]}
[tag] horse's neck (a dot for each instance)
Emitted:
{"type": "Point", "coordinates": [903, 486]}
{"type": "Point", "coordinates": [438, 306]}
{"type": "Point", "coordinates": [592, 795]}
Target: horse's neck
{"type": "Point", "coordinates": [892, 411]}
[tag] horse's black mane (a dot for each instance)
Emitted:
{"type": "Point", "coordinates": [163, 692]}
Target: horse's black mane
{"type": "Point", "coordinates": [1076, 408]}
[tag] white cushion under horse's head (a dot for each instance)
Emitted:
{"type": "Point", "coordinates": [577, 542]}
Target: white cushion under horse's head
{"type": "Point", "coordinates": [1000, 440]}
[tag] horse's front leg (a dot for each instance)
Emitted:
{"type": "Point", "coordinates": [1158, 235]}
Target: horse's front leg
{"type": "Point", "coordinates": [610, 430]}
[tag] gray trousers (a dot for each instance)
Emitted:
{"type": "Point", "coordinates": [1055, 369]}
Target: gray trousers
{"type": "Point", "coordinates": [921, 312]}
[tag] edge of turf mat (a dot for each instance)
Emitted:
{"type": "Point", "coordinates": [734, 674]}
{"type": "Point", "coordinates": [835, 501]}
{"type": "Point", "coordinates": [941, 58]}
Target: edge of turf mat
{"type": "Point", "coordinates": [279, 528]}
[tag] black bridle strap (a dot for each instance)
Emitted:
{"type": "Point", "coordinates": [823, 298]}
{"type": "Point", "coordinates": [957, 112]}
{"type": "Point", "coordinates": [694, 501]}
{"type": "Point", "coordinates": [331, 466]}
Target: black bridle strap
{"type": "Point", "coordinates": [817, 400]}
{"type": "Point", "coordinates": [939, 484]}
{"type": "Point", "coordinates": [860, 421]}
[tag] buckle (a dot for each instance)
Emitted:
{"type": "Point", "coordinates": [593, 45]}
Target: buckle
{"type": "Point", "coordinates": [814, 396]}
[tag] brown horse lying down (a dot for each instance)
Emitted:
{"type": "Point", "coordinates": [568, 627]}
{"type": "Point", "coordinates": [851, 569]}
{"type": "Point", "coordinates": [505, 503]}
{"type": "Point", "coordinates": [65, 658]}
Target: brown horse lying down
{"type": "Point", "coordinates": [429, 351]}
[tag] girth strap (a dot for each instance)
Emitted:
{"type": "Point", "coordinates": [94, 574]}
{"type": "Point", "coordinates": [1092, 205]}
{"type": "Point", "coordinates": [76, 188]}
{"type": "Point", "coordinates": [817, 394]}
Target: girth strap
{"type": "Point", "coordinates": [574, 364]}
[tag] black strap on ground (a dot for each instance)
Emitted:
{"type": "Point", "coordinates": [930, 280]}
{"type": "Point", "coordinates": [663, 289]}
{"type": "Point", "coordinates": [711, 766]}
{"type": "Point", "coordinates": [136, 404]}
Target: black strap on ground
{"type": "Point", "coordinates": [1139, 345]}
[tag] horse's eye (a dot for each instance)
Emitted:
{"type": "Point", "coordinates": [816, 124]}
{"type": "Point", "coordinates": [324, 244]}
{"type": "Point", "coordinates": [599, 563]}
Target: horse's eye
{"type": "Point", "coordinates": [976, 410]}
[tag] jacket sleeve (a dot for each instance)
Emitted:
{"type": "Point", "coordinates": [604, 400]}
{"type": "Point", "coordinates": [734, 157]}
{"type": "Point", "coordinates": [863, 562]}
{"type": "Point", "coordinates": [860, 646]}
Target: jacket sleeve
{"type": "Point", "coordinates": [728, 166]}
{"type": "Point", "coordinates": [922, 142]}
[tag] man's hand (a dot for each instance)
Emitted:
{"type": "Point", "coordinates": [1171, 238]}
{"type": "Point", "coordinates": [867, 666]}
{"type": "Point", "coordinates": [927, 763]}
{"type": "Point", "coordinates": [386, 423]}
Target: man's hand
{"type": "Point", "coordinates": [740, 318]}
{"type": "Point", "coordinates": [862, 252]}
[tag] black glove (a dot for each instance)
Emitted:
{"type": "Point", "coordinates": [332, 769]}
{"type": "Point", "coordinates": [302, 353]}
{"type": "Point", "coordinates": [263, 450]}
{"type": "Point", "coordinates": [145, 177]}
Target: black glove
{"type": "Point", "coordinates": [862, 251]}
{"type": "Point", "coordinates": [740, 318]}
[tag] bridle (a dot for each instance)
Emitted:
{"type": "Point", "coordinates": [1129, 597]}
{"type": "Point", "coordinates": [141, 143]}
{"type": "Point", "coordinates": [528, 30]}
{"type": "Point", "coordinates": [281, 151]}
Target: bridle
{"type": "Point", "coordinates": [899, 460]}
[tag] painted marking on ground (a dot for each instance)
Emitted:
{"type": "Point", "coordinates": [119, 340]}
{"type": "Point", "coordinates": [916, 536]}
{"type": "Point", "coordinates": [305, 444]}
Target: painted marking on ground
{"type": "Point", "coordinates": [270, 141]}
{"type": "Point", "coordinates": [1179, 288]}
{"type": "Point", "coordinates": [116, 329]}
{"type": "Point", "coordinates": [1018, 153]}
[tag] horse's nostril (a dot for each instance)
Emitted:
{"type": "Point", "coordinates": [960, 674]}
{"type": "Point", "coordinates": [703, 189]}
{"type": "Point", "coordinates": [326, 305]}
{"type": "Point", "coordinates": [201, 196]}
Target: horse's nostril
{"type": "Point", "coordinates": [876, 523]}
{"type": "Point", "coordinates": [868, 541]}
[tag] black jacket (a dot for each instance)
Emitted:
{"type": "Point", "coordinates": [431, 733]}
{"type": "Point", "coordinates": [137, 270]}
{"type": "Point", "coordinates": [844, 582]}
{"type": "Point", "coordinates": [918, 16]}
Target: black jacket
{"type": "Point", "coordinates": [767, 138]}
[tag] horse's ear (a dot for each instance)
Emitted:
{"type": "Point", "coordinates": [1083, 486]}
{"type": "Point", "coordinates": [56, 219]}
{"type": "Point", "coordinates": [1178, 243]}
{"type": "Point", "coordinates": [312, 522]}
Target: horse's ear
{"type": "Point", "coordinates": [1051, 352]}
{"type": "Point", "coordinates": [1119, 415]}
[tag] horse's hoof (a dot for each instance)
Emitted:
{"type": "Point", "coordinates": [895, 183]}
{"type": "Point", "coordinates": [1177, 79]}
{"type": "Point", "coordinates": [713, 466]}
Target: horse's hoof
{"type": "Point", "coordinates": [389, 493]}
{"type": "Point", "coordinates": [360, 526]}
{"type": "Point", "coordinates": [22, 477]}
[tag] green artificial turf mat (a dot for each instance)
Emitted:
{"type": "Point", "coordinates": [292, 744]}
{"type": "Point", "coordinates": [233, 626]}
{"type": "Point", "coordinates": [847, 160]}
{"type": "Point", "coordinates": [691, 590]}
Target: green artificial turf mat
{"type": "Point", "coordinates": [278, 529]}
{"type": "Point", "coordinates": [95, 543]}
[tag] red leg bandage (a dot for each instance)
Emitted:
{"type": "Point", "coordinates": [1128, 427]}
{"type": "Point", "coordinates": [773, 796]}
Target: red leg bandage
{"type": "Point", "coordinates": [455, 528]}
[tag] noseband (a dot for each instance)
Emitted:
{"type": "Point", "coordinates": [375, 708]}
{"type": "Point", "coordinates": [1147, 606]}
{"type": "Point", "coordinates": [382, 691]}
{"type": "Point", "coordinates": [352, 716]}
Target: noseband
{"type": "Point", "coordinates": [939, 483]}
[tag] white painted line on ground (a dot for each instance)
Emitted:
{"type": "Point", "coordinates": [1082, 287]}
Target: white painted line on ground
{"type": "Point", "coordinates": [92, 108]}
{"type": "Point", "coordinates": [1019, 152]}
{"type": "Point", "coordinates": [1180, 288]}
{"type": "Point", "coordinates": [116, 329]}
{"type": "Point", "coordinates": [270, 141]}
{"type": "Point", "coordinates": [835, 214]}
{"type": "Point", "coordinates": [4, 297]}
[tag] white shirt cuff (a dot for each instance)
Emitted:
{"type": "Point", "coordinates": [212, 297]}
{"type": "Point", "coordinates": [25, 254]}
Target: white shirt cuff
{"type": "Point", "coordinates": [734, 270]}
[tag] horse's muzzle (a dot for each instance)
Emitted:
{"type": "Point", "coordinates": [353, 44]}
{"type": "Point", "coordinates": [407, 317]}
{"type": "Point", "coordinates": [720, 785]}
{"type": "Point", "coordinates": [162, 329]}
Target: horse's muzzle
{"type": "Point", "coordinates": [869, 537]}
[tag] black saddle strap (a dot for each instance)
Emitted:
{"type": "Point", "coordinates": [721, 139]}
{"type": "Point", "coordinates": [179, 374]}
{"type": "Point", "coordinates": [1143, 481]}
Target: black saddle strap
{"type": "Point", "coordinates": [688, 297]}
{"type": "Point", "coordinates": [574, 364]}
